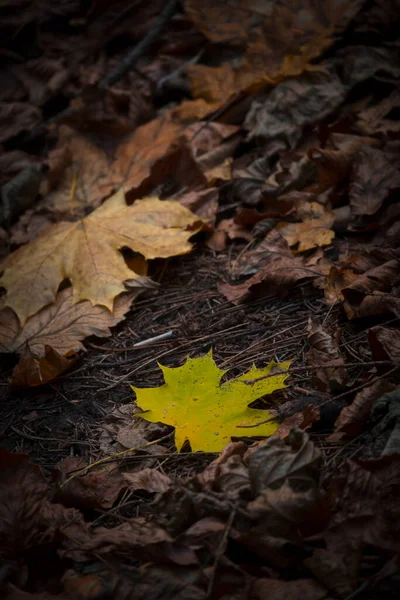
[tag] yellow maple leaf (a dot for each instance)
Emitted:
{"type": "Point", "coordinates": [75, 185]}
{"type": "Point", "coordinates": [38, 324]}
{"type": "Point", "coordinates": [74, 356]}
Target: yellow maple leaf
{"type": "Point", "coordinates": [206, 412]}
{"type": "Point", "coordinates": [87, 253]}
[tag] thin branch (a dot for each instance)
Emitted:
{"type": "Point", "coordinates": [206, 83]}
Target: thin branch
{"type": "Point", "coordinates": [289, 371]}
{"type": "Point", "coordinates": [129, 61]}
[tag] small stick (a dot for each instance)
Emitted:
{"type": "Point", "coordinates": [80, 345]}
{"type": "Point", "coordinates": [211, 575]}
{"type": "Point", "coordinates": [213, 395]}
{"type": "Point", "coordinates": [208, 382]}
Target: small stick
{"type": "Point", "coordinates": [156, 338]}
{"type": "Point", "coordinates": [289, 371]}
{"type": "Point", "coordinates": [102, 461]}
{"type": "Point", "coordinates": [131, 58]}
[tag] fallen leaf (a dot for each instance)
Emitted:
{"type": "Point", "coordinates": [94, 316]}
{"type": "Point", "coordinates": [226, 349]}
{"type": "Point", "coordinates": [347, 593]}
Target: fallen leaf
{"type": "Point", "coordinates": [291, 106]}
{"type": "Point", "coordinates": [278, 589]}
{"type": "Point", "coordinates": [28, 518]}
{"type": "Point", "coordinates": [384, 343]}
{"type": "Point", "coordinates": [204, 411]}
{"type": "Point", "coordinates": [140, 539]}
{"type": "Point", "coordinates": [337, 279]}
{"type": "Point", "coordinates": [150, 480]}
{"type": "Point", "coordinates": [366, 511]}
{"type": "Point", "coordinates": [324, 348]}
{"type": "Point", "coordinates": [61, 325]}
{"type": "Point", "coordinates": [300, 420]}
{"type": "Point", "coordinates": [92, 173]}
{"type": "Point", "coordinates": [372, 179]}
{"type": "Point", "coordinates": [313, 232]}
{"type": "Point", "coordinates": [275, 470]}
{"type": "Point", "coordinates": [276, 42]}
{"type": "Point", "coordinates": [87, 253]}
{"type": "Point", "coordinates": [94, 489]}
{"type": "Point", "coordinates": [32, 371]}
{"type": "Point", "coordinates": [352, 418]}
{"type": "Point", "coordinates": [375, 280]}
{"type": "Point", "coordinates": [16, 117]}
{"type": "Point", "coordinates": [279, 273]}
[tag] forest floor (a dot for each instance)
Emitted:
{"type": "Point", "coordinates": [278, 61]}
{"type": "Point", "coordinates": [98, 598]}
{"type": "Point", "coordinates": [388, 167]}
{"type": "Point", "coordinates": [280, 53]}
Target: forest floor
{"type": "Point", "coordinates": [270, 136]}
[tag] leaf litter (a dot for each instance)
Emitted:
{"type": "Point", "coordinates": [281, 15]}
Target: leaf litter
{"type": "Point", "coordinates": [278, 129]}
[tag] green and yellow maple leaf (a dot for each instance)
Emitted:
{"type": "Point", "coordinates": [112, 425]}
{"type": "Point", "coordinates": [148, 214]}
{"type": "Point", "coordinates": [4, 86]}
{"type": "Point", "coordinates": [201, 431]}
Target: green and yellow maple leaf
{"type": "Point", "coordinates": [206, 412]}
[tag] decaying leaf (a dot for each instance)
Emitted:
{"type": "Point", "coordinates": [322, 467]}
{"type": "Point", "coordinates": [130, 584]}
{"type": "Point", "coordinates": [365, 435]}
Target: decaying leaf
{"type": "Point", "coordinates": [150, 480]}
{"type": "Point", "coordinates": [373, 177]}
{"type": "Point", "coordinates": [94, 489]}
{"type": "Point", "coordinates": [61, 325]}
{"type": "Point", "coordinates": [313, 232]}
{"type": "Point", "coordinates": [279, 273]}
{"type": "Point", "coordinates": [375, 280]}
{"type": "Point", "coordinates": [32, 371]}
{"type": "Point", "coordinates": [274, 40]}
{"type": "Point", "coordinates": [87, 253]}
{"type": "Point", "coordinates": [204, 411]}
{"type": "Point", "coordinates": [324, 348]}
{"type": "Point", "coordinates": [353, 417]}
{"type": "Point", "coordinates": [384, 343]}
{"type": "Point", "coordinates": [293, 105]}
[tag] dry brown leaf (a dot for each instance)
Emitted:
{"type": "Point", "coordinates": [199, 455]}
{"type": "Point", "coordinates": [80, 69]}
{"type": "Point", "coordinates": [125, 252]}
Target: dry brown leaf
{"type": "Point", "coordinates": [91, 172]}
{"type": "Point", "coordinates": [150, 480]}
{"type": "Point", "coordinates": [379, 279]}
{"type": "Point", "coordinates": [294, 104]}
{"type": "Point", "coordinates": [337, 279]}
{"type": "Point", "coordinates": [274, 469]}
{"type": "Point", "coordinates": [28, 518]}
{"type": "Point", "coordinates": [366, 511]}
{"type": "Point", "coordinates": [278, 589]}
{"type": "Point", "coordinates": [32, 371]}
{"type": "Point", "coordinates": [352, 418]}
{"type": "Point", "coordinates": [16, 117]}
{"type": "Point", "coordinates": [313, 232]}
{"type": "Point", "coordinates": [373, 178]}
{"type": "Point", "coordinates": [61, 325]}
{"type": "Point", "coordinates": [279, 273]}
{"type": "Point", "coordinates": [301, 420]}
{"type": "Point", "coordinates": [325, 349]}
{"type": "Point", "coordinates": [140, 539]}
{"type": "Point", "coordinates": [87, 253]}
{"type": "Point", "coordinates": [276, 41]}
{"type": "Point", "coordinates": [94, 489]}
{"type": "Point", "coordinates": [384, 343]}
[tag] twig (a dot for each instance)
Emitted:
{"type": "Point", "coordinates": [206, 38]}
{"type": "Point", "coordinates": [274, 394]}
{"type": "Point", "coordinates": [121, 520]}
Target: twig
{"type": "Point", "coordinates": [156, 338]}
{"type": "Point", "coordinates": [220, 551]}
{"type": "Point", "coordinates": [129, 60]}
{"type": "Point", "coordinates": [111, 458]}
{"type": "Point", "coordinates": [289, 371]}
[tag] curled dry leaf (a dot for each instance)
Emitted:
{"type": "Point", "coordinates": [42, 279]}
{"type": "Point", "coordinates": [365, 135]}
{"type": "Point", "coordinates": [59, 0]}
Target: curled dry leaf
{"type": "Point", "coordinates": [136, 538]}
{"type": "Point", "coordinates": [61, 325]}
{"type": "Point", "coordinates": [384, 343]}
{"type": "Point", "coordinates": [32, 371]}
{"type": "Point", "coordinates": [16, 117]}
{"type": "Point", "coordinates": [293, 105]}
{"type": "Point", "coordinates": [325, 349]}
{"type": "Point", "coordinates": [277, 41]}
{"type": "Point", "coordinates": [373, 178]}
{"type": "Point", "coordinates": [337, 279]}
{"type": "Point", "coordinates": [366, 511]}
{"type": "Point", "coordinates": [313, 232]}
{"type": "Point", "coordinates": [150, 480]}
{"type": "Point", "coordinates": [301, 420]}
{"type": "Point", "coordinates": [378, 279]}
{"type": "Point", "coordinates": [87, 253]}
{"type": "Point", "coordinates": [94, 489]}
{"type": "Point", "coordinates": [353, 417]}
{"type": "Point", "coordinates": [28, 518]}
{"type": "Point", "coordinates": [278, 275]}
{"type": "Point", "coordinates": [278, 589]}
